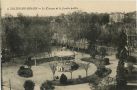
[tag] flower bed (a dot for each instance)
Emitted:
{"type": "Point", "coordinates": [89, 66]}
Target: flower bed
{"type": "Point", "coordinates": [44, 60]}
{"type": "Point", "coordinates": [25, 72]}
{"type": "Point", "coordinates": [88, 79]}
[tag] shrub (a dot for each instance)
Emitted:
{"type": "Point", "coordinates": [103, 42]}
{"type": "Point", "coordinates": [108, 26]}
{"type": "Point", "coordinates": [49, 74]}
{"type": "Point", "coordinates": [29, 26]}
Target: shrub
{"type": "Point", "coordinates": [57, 77]}
{"type": "Point", "coordinates": [22, 67]}
{"type": "Point", "coordinates": [6, 56]}
{"type": "Point", "coordinates": [79, 76]}
{"type": "Point", "coordinates": [75, 66]}
{"type": "Point", "coordinates": [106, 61]}
{"type": "Point", "coordinates": [131, 59]}
{"type": "Point", "coordinates": [102, 51]}
{"type": "Point", "coordinates": [29, 85]}
{"type": "Point", "coordinates": [102, 71]}
{"type": "Point", "coordinates": [63, 79]}
{"type": "Point", "coordinates": [47, 86]}
{"type": "Point", "coordinates": [25, 72]}
{"type": "Point", "coordinates": [130, 68]}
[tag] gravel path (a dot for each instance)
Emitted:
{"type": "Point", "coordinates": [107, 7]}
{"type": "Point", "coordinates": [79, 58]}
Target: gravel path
{"type": "Point", "coordinates": [41, 74]}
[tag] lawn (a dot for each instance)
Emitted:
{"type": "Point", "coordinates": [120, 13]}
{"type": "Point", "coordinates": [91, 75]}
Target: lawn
{"type": "Point", "coordinates": [41, 73]}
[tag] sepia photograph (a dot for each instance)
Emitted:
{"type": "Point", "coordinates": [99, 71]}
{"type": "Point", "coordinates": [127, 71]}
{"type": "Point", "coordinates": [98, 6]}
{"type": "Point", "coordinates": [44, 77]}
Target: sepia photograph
{"type": "Point", "coordinates": [68, 44]}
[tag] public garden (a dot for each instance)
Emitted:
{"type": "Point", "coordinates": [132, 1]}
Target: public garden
{"type": "Point", "coordinates": [61, 53]}
{"type": "Point", "coordinates": [43, 72]}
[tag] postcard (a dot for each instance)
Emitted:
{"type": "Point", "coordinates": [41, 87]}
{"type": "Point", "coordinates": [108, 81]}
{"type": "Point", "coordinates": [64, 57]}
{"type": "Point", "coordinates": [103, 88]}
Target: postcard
{"type": "Point", "coordinates": [68, 44]}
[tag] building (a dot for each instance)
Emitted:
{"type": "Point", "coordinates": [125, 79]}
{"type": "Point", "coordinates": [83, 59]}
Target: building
{"type": "Point", "coordinates": [132, 40]}
{"type": "Point", "coordinates": [65, 66]}
{"type": "Point", "coordinates": [116, 17]}
{"type": "Point", "coordinates": [131, 15]}
{"type": "Point", "coordinates": [131, 36]}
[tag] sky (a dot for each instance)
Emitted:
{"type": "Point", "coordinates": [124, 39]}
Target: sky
{"type": "Point", "coordinates": [56, 7]}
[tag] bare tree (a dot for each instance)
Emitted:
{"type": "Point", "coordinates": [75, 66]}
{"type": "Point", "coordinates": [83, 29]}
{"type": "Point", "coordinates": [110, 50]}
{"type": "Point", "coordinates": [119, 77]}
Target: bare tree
{"type": "Point", "coordinates": [71, 71]}
{"type": "Point", "coordinates": [86, 67]}
{"type": "Point", "coordinates": [53, 68]}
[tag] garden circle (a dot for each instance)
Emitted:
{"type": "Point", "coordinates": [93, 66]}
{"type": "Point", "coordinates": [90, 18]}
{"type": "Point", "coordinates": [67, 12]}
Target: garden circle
{"type": "Point", "coordinates": [79, 72]}
{"type": "Point", "coordinates": [69, 66]}
{"type": "Point", "coordinates": [65, 66]}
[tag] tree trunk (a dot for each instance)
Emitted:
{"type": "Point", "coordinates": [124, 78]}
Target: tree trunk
{"type": "Point", "coordinates": [86, 73]}
{"type": "Point", "coordinates": [53, 76]}
{"type": "Point", "coordinates": [35, 62]}
{"type": "Point", "coordinates": [71, 75]}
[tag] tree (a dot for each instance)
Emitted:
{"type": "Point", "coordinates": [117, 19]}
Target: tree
{"type": "Point", "coordinates": [93, 51]}
{"type": "Point", "coordinates": [14, 42]}
{"type": "Point", "coordinates": [47, 86]}
{"type": "Point", "coordinates": [26, 35]}
{"type": "Point", "coordinates": [122, 56]}
{"type": "Point", "coordinates": [129, 18]}
{"type": "Point", "coordinates": [92, 36]}
{"type": "Point", "coordinates": [63, 79]}
{"type": "Point", "coordinates": [93, 33]}
{"type": "Point", "coordinates": [53, 69]}
{"type": "Point", "coordinates": [5, 56]}
{"type": "Point", "coordinates": [86, 67]}
{"type": "Point", "coordinates": [104, 18]}
{"type": "Point", "coordinates": [102, 52]}
{"type": "Point", "coordinates": [106, 61]}
{"type": "Point", "coordinates": [29, 85]}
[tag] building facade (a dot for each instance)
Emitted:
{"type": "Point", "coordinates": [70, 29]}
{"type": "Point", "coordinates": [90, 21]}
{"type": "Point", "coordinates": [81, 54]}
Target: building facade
{"type": "Point", "coordinates": [116, 17]}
